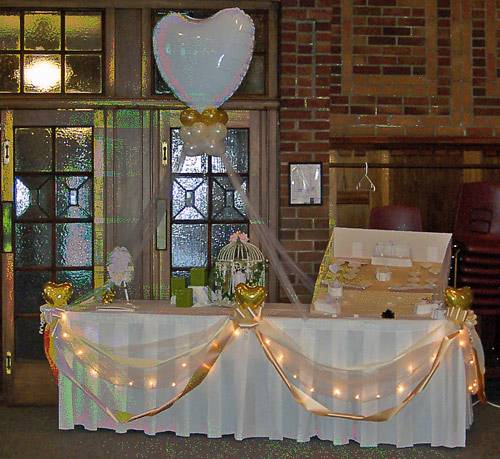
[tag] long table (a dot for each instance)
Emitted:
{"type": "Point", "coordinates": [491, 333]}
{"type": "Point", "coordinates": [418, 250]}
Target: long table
{"type": "Point", "coordinates": [243, 394]}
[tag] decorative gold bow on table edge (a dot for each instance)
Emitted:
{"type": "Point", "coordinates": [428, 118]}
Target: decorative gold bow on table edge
{"type": "Point", "coordinates": [247, 315]}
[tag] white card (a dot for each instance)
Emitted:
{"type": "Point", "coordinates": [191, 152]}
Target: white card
{"type": "Point", "coordinates": [357, 250]}
{"type": "Point", "coordinates": [432, 254]}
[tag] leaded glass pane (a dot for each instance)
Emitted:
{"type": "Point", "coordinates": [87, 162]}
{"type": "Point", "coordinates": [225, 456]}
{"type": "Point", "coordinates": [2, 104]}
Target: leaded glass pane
{"type": "Point", "coordinates": [28, 290]}
{"type": "Point", "coordinates": [260, 23]}
{"type": "Point", "coordinates": [226, 201]}
{"type": "Point", "coordinates": [236, 151]}
{"type": "Point", "coordinates": [190, 198]}
{"type": "Point", "coordinates": [192, 164]}
{"type": "Point", "coordinates": [74, 149]}
{"type": "Point", "coordinates": [33, 150]}
{"type": "Point", "coordinates": [42, 73]}
{"type": "Point", "coordinates": [221, 233]}
{"type": "Point", "coordinates": [74, 244]}
{"type": "Point", "coordinates": [255, 79]}
{"type": "Point", "coordinates": [74, 197]}
{"type": "Point", "coordinates": [9, 73]}
{"type": "Point", "coordinates": [83, 31]}
{"type": "Point", "coordinates": [81, 280]}
{"type": "Point", "coordinates": [10, 31]}
{"type": "Point", "coordinates": [42, 31]}
{"type": "Point", "coordinates": [83, 73]}
{"type": "Point", "coordinates": [189, 245]}
{"type": "Point", "coordinates": [34, 197]}
{"type": "Point", "coordinates": [33, 244]}
{"type": "Point", "coordinates": [29, 343]}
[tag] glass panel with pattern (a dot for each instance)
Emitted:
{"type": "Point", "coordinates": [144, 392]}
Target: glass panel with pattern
{"type": "Point", "coordinates": [33, 50]}
{"type": "Point", "coordinates": [206, 210]}
{"type": "Point", "coordinates": [53, 213]}
{"type": "Point", "coordinates": [254, 82]}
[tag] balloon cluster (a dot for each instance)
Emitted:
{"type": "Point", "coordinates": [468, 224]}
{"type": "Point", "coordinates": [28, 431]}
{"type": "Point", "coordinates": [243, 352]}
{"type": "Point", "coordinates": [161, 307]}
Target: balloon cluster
{"type": "Point", "coordinates": [203, 132]}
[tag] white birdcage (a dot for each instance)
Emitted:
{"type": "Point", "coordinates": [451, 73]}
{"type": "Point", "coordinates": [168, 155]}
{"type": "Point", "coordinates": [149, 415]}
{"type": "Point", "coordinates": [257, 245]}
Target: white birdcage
{"type": "Point", "coordinates": [238, 262]}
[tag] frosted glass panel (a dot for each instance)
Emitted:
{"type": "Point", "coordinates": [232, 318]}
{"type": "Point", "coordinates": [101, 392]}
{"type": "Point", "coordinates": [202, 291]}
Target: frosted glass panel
{"type": "Point", "coordinates": [190, 198]}
{"type": "Point", "coordinates": [42, 31]}
{"type": "Point", "coordinates": [83, 31]}
{"type": "Point", "coordinates": [10, 27]}
{"type": "Point", "coordinates": [189, 245]}
{"type": "Point", "coordinates": [236, 150]}
{"type": "Point", "coordinates": [83, 73]}
{"type": "Point", "coordinates": [192, 164]}
{"type": "Point", "coordinates": [28, 290]}
{"type": "Point", "coordinates": [34, 197]}
{"type": "Point", "coordinates": [74, 244]}
{"type": "Point", "coordinates": [226, 202]}
{"type": "Point", "coordinates": [74, 197]}
{"type": "Point", "coordinates": [221, 233]}
{"type": "Point", "coordinates": [42, 73]}
{"type": "Point", "coordinates": [33, 150]}
{"type": "Point", "coordinates": [82, 281]}
{"type": "Point", "coordinates": [9, 73]}
{"type": "Point", "coordinates": [74, 149]}
{"type": "Point", "coordinates": [33, 244]}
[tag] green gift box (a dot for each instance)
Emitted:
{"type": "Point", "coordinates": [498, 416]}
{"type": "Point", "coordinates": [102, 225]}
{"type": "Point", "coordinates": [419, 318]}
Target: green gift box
{"type": "Point", "coordinates": [184, 298]}
{"type": "Point", "coordinates": [177, 283]}
{"type": "Point", "coordinates": [199, 277]}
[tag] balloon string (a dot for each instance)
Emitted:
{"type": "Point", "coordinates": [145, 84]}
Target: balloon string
{"type": "Point", "coordinates": [271, 245]}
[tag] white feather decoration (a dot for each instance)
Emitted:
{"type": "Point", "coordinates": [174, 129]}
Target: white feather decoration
{"type": "Point", "coordinates": [120, 266]}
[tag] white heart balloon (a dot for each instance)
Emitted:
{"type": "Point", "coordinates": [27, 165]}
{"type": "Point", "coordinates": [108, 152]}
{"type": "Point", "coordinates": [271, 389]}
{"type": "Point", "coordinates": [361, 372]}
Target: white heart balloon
{"type": "Point", "coordinates": [204, 60]}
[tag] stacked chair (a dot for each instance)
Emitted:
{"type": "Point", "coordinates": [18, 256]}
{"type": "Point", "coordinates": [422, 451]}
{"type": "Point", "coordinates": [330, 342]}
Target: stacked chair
{"type": "Point", "coordinates": [400, 218]}
{"type": "Point", "coordinates": [476, 236]}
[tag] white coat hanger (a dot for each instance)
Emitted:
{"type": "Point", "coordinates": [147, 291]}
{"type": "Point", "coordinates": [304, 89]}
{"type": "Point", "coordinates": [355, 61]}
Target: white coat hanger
{"type": "Point", "coordinates": [366, 177]}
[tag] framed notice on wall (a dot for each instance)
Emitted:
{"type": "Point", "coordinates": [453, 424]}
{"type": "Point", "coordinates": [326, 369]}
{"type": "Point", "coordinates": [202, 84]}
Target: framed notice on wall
{"type": "Point", "coordinates": [304, 184]}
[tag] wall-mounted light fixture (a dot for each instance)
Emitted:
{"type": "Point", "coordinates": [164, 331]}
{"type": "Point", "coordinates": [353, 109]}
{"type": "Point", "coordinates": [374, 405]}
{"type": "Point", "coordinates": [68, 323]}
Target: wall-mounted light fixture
{"type": "Point", "coordinates": [6, 152]}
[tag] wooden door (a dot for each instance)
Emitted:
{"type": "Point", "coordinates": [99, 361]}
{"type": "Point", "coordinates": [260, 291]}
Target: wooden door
{"type": "Point", "coordinates": [48, 234]}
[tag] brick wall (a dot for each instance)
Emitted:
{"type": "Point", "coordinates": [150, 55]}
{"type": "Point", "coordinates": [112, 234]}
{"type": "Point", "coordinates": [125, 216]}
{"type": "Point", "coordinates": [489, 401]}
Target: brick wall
{"type": "Point", "coordinates": [306, 60]}
{"type": "Point", "coordinates": [379, 69]}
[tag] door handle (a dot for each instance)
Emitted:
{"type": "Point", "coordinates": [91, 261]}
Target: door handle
{"type": "Point", "coordinates": [164, 153]}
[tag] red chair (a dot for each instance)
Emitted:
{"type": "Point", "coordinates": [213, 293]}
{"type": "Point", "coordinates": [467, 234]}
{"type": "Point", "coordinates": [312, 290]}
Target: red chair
{"type": "Point", "coordinates": [476, 236]}
{"type": "Point", "coordinates": [400, 218]}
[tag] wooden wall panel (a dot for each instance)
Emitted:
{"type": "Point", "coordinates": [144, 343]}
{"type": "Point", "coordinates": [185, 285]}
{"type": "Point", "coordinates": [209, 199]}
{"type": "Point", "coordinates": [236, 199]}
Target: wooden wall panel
{"type": "Point", "coordinates": [128, 39]}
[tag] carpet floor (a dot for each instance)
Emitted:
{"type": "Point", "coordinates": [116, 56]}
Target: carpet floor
{"type": "Point", "coordinates": [31, 432]}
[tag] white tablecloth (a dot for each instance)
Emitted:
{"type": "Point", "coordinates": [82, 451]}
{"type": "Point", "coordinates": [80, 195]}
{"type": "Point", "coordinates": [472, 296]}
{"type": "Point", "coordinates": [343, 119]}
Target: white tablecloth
{"type": "Point", "coordinates": [244, 396]}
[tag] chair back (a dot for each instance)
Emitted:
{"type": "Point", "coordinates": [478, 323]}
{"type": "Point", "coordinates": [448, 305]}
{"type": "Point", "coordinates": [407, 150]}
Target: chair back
{"type": "Point", "coordinates": [399, 218]}
{"type": "Point", "coordinates": [478, 210]}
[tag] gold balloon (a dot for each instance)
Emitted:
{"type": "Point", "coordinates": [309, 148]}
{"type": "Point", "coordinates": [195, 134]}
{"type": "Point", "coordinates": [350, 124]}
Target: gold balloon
{"type": "Point", "coordinates": [250, 297]}
{"type": "Point", "coordinates": [108, 297]}
{"type": "Point", "coordinates": [460, 298]}
{"type": "Point", "coordinates": [189, 116]}
{"type": "Point", "coordinates": [57, 295]}
{"type": "Point", "coordinates": [209, 116]}
{"type": "Point", "coordinates": [222, 116]}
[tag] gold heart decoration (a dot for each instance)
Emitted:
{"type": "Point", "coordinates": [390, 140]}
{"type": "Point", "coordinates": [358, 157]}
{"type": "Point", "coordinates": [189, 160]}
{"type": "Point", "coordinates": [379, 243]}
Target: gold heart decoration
{"type": "Point", "coordinates": [460, 298]}
{"type": "Point", "coordinates": [250, 297]}
{"type": "Point", "coordinates": [57, 295]}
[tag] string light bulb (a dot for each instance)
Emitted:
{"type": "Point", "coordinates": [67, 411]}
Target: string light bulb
{"type": "Point", "coordinates": [311, 389]}
{"type": "Point", "coordinates": [400, 388]}
{"type": "Point", "coordinates": [356, 397]}
{"type": "Point", "coordinates": [183, 364]}
{"type": "Point", "coordinates": [65, 335]}
{"type": "Point", "coordinates": [93, 372]}
{"type": "Point", "coordinates": [294, 376]}
{"type": "Point", "coordinates": [336, 392]}
{"type": "Point", "coordinates": [173, 384]}
{"type": "Point", "coordinates": [237, 332]}
{"type": "Point", "coordinates": [378, 396]}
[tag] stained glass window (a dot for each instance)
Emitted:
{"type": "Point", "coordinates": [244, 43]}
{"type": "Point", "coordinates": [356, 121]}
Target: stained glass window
{"type": "Point", "coordinates": [53, 220]}
{"type": "Point", "coordinates": [51, 51]}
{"type": "Point", "coordinates": [206, 209]}
{"type": "Point", "coordinates": [255, 80]}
